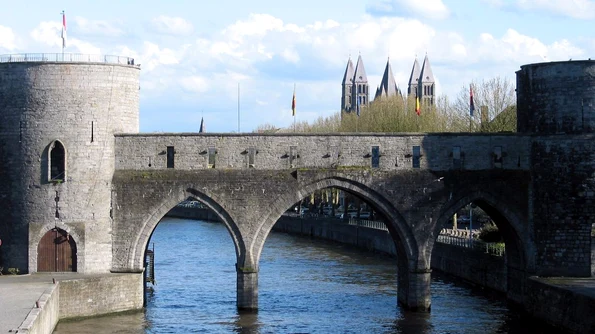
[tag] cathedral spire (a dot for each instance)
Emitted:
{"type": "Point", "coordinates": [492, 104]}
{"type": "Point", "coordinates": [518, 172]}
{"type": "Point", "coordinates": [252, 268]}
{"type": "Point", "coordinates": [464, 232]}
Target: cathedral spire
{"type": "Point", "coordinates": [388, 86]}
{"type": "Point", "coordinates": [349, 73]}
{"type": "Point", "coordinates": [414, 78]}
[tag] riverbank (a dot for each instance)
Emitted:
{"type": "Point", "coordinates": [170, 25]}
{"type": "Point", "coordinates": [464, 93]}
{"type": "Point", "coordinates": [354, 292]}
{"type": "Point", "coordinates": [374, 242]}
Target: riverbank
{"type": "Point", "coordinates": [566, 303]}
{"type": "Point", "coordinates": [35, 303]}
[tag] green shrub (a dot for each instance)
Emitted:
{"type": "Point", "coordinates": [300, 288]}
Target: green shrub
{"type": "Point", "coordinates": [490, 233]}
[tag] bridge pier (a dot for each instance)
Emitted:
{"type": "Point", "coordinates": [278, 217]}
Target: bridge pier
{"type": "Point", "coordinates": [414, 290]}
{"type": "Point", "coordinates": [247, 289]}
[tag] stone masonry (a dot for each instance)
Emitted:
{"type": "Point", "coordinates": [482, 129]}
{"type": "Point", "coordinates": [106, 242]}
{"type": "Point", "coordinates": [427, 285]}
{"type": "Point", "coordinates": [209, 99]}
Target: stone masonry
{"type": "Point", "coordinates": [537, 184]}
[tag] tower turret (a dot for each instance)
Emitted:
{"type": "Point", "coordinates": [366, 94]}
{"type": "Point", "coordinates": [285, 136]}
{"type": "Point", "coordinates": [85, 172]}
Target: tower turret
{"type": "Point", "coordinates": [360, 93]}
{"type": "Point", "coordinates": [347, 86]}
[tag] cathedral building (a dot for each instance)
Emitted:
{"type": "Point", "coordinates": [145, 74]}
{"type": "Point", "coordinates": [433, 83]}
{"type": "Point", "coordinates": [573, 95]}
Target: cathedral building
{"type": "Point", "coordinates": [355, 93]}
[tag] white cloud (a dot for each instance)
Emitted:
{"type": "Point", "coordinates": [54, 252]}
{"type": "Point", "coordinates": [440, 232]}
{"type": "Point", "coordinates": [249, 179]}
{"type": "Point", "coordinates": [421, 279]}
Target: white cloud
{"type": "Point", "coordinates": [194, 84]}
{"type": "Point", "coordinates": [48, 33]}
{"type": "Point", "coordinates": [431, 9]}
{"type": "Point", "coordinates": [172, 25]}
{"type": "Point", "coordinates": [7, 38]}
{"type": "Point", "coordinates": [515, 47]}
{"type": "Point", "coordinates": [96, 27]}
{"type": "Point", "coordinates": [578, 9]}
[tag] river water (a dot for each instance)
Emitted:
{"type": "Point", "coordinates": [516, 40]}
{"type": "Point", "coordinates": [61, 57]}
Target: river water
{"type": "Point", "coordinates": [305, 286]}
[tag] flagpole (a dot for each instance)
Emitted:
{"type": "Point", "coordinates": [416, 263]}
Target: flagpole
{"type": "Point", "coordinates": [293, 106]}
{"type": "Point", "coordinates": [63, 34]}
{"type": "Point", "coordinates": [238, 107]}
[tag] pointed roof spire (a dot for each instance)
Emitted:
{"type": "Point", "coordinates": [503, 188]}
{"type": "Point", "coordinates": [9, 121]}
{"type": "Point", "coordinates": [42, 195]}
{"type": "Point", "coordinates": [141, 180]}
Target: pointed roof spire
{"type": "Point", "coordinates": [388, 86]}
{"type": "Point", "coordinates": [415, 73]}
{"type": "Point", "coordinates": [349, 73]}
{"type": "Point", "coordinates": [360, 71]}
{"type": "Point", "coordinates": [426, 75]}
{"type": "Point", "coordinates": [202, 126]}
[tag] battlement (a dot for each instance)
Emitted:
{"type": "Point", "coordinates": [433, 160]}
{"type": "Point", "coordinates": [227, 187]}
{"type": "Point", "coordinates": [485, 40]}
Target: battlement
{"type": "Point", "coordinates": [556, 97]}
{"type": "Point", "coordinates": [66, 58]}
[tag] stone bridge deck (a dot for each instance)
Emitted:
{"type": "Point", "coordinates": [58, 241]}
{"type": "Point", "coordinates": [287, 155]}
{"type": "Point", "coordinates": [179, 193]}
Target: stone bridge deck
{"type": "Point", "coordinates": [415, 181]}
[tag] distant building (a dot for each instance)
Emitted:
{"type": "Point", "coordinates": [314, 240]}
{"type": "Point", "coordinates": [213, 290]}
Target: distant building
{"type": "Point", "coordinates": [356, 88]}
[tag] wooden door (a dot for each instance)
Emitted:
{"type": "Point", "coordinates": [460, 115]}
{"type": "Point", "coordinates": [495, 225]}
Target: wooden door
{"type": "Point", "coordinates": [56, 252]}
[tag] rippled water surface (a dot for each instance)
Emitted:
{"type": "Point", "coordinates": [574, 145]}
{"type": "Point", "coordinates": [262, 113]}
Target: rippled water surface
{"type": "Point", "coordinates": [305, 286]}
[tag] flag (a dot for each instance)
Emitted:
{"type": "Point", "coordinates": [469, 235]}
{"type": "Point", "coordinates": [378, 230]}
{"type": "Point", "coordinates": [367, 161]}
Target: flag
{"type": "Point", "coordinates": [202, 126]}
{"type": "Point", "coordinates": [417, 108]}
{"type": "Point", "coordinates": [63, 29]}
{"type": "Point", "coordinates": [359, 99]}
{"type": "Point", "coordinates": [471, 104]}
{"type": "Point", "coordinates": [293, 102]}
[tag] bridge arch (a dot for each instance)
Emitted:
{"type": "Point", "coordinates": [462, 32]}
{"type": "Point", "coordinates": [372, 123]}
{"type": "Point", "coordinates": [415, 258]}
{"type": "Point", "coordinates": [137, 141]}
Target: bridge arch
{"type": "Point", "coordinates": [414, 272]}
{"type": "Point", "coordinates": [158, 211]}
{"type": "Point", "coordinates": [513, 225]}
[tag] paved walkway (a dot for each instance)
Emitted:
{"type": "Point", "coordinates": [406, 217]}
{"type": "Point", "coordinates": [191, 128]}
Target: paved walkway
{"type": "Point", "coordinates": [18, 294]}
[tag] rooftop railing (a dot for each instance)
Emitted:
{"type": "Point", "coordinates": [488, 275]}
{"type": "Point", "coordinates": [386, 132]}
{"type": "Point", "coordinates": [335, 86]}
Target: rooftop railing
{"type": "Point", "coordinates": [66, 58]}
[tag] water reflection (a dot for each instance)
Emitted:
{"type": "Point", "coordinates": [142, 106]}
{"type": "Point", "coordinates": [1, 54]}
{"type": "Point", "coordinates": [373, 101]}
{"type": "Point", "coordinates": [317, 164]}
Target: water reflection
{"type": "Point", "coordinates": [305, 286]}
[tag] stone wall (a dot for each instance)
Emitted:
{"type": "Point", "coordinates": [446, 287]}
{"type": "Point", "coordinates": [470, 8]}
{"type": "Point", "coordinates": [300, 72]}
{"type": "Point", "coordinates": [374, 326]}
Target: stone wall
{"type": "Point", "coordinates": [84, 297]}
{"type": "Point", "coordinates": [563, 203]}
{"type": "Point", "coordinates": [101, 295]}
{"type": "Point", "coordinates": [479, 268]}
{"type": "Point", "coordinates": [43, 319]}
{"type": "Point", "coordinates": [81, 105]}
{"type": "Point", "coordinates": [149, 151]}
{"type": "Point", "coordinates": [560, 304]}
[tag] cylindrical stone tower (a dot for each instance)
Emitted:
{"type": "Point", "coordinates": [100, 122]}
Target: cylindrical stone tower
{"type": "Point", "coordinates": [556, 97]}
{"type": "Point", "coordinates": [556, 104]}
{"type": "Point", "coordinates": [58, 115]}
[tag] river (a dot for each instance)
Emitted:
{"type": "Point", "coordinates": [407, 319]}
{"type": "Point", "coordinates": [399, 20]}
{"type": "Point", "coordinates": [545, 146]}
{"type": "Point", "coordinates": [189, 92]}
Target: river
{"type": "Point", "coordinates": [305, 286]}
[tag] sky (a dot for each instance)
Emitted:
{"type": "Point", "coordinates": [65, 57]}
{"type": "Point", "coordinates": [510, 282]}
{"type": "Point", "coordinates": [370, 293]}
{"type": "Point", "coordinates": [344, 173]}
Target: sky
{"type": "Point", "coordinates": [194, 55]}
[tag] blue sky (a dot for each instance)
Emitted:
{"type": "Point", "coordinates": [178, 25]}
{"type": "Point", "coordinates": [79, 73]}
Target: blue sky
{"type": "Point", "coordinates": [193, 54]}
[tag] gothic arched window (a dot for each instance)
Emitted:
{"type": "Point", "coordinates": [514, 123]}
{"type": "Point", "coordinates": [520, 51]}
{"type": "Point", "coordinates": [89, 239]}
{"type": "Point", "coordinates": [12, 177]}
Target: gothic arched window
{"type": "Point", "coordinates": [56, 162]}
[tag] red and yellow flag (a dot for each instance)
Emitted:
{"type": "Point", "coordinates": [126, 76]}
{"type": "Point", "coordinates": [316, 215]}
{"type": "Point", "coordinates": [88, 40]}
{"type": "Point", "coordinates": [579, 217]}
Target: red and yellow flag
{"type": "Point", "coordinates": [417, 109]}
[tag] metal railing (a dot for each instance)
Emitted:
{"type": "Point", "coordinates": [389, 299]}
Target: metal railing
{"type": "Point", "coordinates": [478, 245]}
{"type": "Point", "coordinates": [66, 58]}
{"type": "Point", "coordinates": [368, 223]}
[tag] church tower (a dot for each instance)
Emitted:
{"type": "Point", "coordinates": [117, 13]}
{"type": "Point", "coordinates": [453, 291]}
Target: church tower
{"type": "Point", "coordinates": [347, 86]}
{"type": "Point", "coordinates": [359, 90]}
{"type": "Point", "coordinates": [422, 82]}
{"type": "Point", "coordinates": [428, 83]}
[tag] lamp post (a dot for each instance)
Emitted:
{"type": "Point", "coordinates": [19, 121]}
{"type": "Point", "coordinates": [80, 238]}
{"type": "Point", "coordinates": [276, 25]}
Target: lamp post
{"type": "Point", "coordinates": [473, 206]}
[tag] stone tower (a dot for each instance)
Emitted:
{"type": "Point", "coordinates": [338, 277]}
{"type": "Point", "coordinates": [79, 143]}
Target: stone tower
{"type": "Point", "coordinates": [347, 86]}
{"type": "Point", "coordinates": [556, 104]}
{"type": "Point", "coordinates": [388, 86]}
{"type": "Point", "coordinates": [355, 86]}
{"type": "Point", "coordinates": [58, 117]}
{"type": "Point", "coordinates": [421, 82]}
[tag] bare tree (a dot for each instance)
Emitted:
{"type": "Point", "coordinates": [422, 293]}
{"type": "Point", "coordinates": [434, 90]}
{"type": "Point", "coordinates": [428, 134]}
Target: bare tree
{"type": "Point", "coordinates": [495, 105]}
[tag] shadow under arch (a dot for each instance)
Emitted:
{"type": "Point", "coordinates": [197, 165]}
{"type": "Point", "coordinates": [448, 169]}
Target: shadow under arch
{"type": "Point", "coordinates": [516, 235]}
{"type": "Point", "coordinates": [399, 230]}
{"type": "Point", "coordinates": [171, 200]}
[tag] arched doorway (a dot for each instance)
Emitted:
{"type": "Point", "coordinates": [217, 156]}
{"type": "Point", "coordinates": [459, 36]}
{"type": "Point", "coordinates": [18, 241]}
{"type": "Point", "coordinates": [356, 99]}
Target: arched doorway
{"type": "Point", "coordinates": [56, 252]}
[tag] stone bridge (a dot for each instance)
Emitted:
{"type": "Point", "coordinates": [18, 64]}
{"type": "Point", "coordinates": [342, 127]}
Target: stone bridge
{"type": "Point", "coordinates": [417, 182]}
{"type": "Point", "coordinates": [79, 180]}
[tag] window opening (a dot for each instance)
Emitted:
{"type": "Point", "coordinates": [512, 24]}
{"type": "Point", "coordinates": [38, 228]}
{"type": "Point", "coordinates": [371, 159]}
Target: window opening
{"type": "Point", "coordinates": [375, 156]}
{"type": "Point", "coordinates": [251, 157]}
{"type": "Point", "coordinates": [57, 157]}
{"type": "Point", "coordinates": [212, 154]}
{"type": "Point", "coordinates": [416, 156]}
{"type": "Point", "coordinates": [498, 157]}
{"type": "Point", "coordinates": [170, 156]}
{"type": "Point", "coordinates": [456, 157]}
